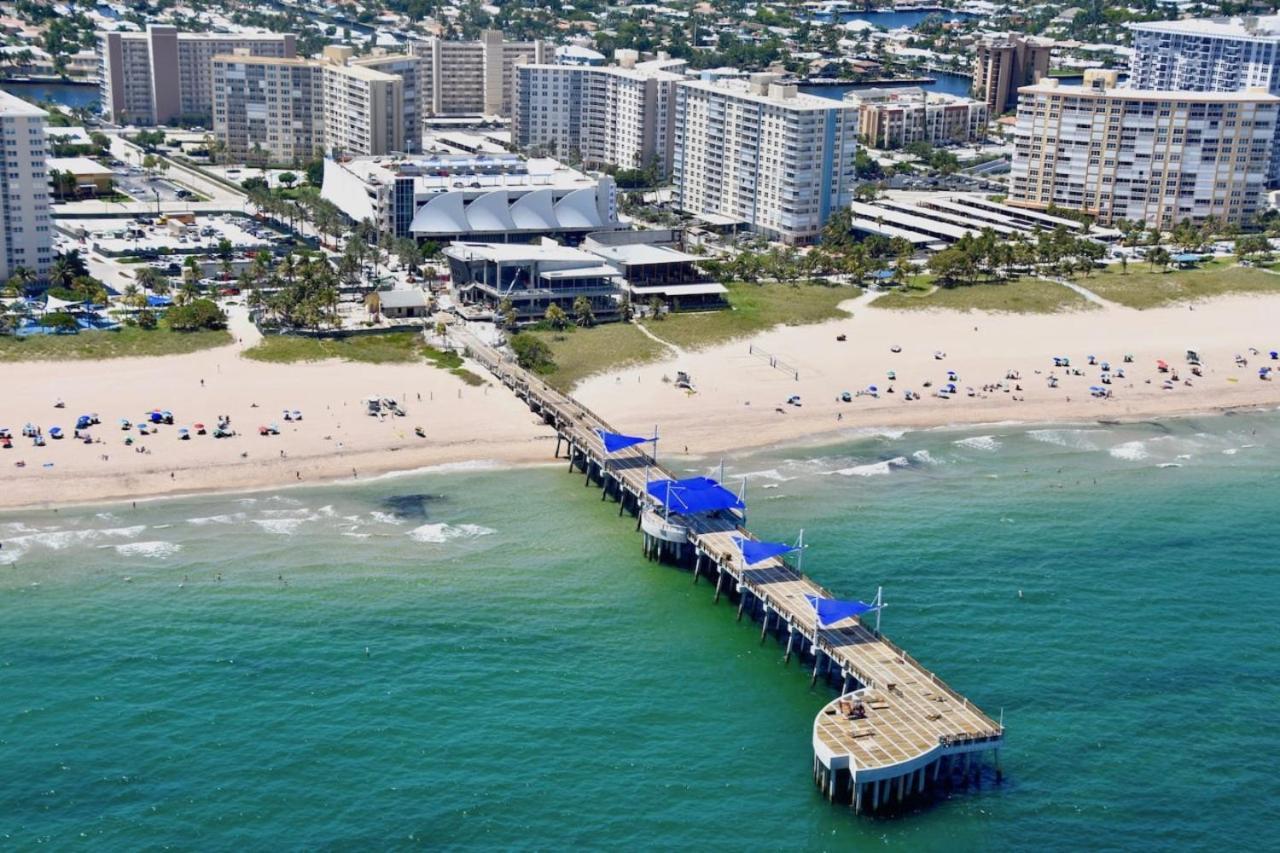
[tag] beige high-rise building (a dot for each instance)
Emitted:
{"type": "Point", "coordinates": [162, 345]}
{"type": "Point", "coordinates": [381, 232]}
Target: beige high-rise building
{"type": "Point", "coordinates": [1004, 63]}
{"type": "Point", "coordinates": [363, 108]}
{"type": "Point", "coordinates": [269, 105]}
{"type": "Point", "coordinates": [1156, 157]}
{"type": "Point", "coordinates": [26, 226]}
{"type": "Point", "coordinates": [474, 77]}
{"type": "Point", "coordinates": [162, 75]}
{"type": "Point", "coordinates": [296, 109]}
{"type": "Point", "coordinates": [412, 71]}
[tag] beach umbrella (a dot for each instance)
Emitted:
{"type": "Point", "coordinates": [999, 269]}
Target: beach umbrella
{"type": "Point", "coordinates": [873, 389]}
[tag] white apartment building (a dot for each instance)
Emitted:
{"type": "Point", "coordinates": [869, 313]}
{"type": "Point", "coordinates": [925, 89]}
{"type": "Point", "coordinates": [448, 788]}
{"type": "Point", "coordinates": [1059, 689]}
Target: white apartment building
{"type": "Point", "coordinates": [892, 118]}
{"type": "Point", "coordinates": [26, 238]}
{"type": "Point", "coordinates": [764, 155]}
{"type": "Point", "coordinates": [1206, 55]}
{"type": "Point", "coordinates": [162, 75]}
{"type": "Point", "coordinates": [267, 104]}
{"type": "Point", "coordinates": [607, 115]}
{"type": "Point", "coordinates": [296, 109]}
{"type": "Point", "coordinates": [363, 108]}
{"type": "Point", "coordinates": [1209, 55]}
{"type": "Point", "coordinates": [1152, 157]}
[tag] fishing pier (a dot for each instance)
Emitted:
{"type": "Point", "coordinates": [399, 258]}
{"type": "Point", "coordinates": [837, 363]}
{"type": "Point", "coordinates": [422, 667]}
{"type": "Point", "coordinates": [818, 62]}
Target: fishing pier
{"type": "Point", "coordinates": [896, 733]}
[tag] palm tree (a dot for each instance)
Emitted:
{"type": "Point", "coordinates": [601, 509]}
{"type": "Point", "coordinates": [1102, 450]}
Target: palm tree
{"type": "Point", "coordinates": [555, 317]}
{"type": "Point", "coordinates": [22, 278]}
{"type": "Point", "coordinates": [582, 313]}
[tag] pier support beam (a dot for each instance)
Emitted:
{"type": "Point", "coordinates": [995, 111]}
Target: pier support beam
{"type": "Point", "coordinates": [697, 568]}
{"type": "Point", "coordinates": [764, 626]}
{"type": "Point", "coordinates": [719, 583]}
{"type": "Point", "coordinates": [742, 601]}
{"type": "Point", "coordinates": [791, 639]}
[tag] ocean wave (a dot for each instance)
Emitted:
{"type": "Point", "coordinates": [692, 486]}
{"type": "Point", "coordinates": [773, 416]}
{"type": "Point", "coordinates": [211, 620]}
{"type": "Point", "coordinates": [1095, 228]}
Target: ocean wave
{"type": "Point", "coordinates": [385, 517]}
{"type": "Point", "coordinates": [441, 532]}
{"type": "Point", "coordinates": [228, 518]}
{"type": "Point", "coordinates": [443, 468]}
{"type": "Point", "coordinates": [874, 469]}
{"type": "Point", "coordinates": [925, 456]}
{"type": "Point", "coordinates": [1130, 451]}
{"type": "Point", "coordinates": [158, 550]}
{"type": "Point", "coordinates": [1072, 439]}
{"type": "Point", "coordinates": [281, 526]}
{"type": "Point", "coordinates": [978, 442]}
{"type": "Point", "coordinates": [768, 474]}
{"type": "Point", "coordinates": [1169, 465]}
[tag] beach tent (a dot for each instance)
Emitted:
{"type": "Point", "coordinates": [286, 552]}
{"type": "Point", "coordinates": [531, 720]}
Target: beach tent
{"type": "Point", "coordinates": [615, 441]}
{"type": "Point", "coordinates": [755, 551]}
{"type": "Point", "coordinates": [154, 301]}
{"type": "Point", "coordinates": [53, 303]}
{"type": "Point", "coordinates": [832, 610]}
{"type": "Point", "coordinates": [693, 495]}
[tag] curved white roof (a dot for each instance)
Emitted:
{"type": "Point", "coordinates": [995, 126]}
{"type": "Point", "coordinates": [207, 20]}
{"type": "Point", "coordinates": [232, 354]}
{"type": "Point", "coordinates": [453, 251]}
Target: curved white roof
{"type": "Point", "coordinates": [444, 214]}
{"type": "Point", "coordinates": [578, 210]}
{"type": "Point", "coordinates": [535, 211]}
{"type": "Point", "coordinates": [489, 213]}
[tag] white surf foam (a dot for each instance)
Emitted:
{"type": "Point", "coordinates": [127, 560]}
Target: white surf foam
{"type": "Point", "coordinates": [874, 469]}
{"type": "Point", "coordinates": [441, 532]}
{"type": "Point", "coordinates": [1130, 451]}
{"type": "Point", "coordinates": [978, 442]}
{"type": "Point", "coordinates": [229, 518]}
{"type": "Point", "coordinates": [280, 526]}
{"type": "Point", "coordinates": [924, 456]}
{"type": "Point", "coordinates": [1072, 439]}
{"type": "Point", "coordinates": [158, 550]}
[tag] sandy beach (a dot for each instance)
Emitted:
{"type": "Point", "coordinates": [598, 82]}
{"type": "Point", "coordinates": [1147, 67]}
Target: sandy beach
{"type": "Point", "coordinates": [739, 403]}
{"type": "Point", "coordinates": [739, 393]}
{"type": "Point", "coordinates": [335, 439]}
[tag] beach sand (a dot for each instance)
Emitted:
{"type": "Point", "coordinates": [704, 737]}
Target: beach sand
{"type": "Point", "coordinates": [738, 393]}
{"type": "Point", "coordinates": [334, 438]}
{"type": "Point", "coordinates": [734, 407]}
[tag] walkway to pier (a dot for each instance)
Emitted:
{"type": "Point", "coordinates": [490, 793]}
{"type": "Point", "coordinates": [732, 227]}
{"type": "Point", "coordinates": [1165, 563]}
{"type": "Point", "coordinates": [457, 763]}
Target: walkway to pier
{"type": "Point", "coordinates": [908, 725]}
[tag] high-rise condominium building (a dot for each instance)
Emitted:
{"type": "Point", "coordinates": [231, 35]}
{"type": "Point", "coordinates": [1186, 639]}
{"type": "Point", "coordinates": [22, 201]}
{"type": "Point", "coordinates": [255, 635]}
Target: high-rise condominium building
{"type": "Point", "coordinates": [292, 110]}
{"type": "Point", "coordinates": [607, 115]}
{"type": "Point", "coordinates": [26, 238]}
{"type": "Point", "coordinates": [1003, 63]}
{"type": "Point", "coordinates": [162, 75]}
{"type": "Point", "coordinates": [268, 107]}
{"type": "Point", "coordinates": [764, 155]}
{"type": "Point", "coordinates": [892, 118]}
{"type": "Point", "coordinates": [1214, 55]}
{"type": "Point", "coordinates": [1153, 157]}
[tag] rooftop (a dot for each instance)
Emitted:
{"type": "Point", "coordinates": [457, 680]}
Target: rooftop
{"type": "Point", "coordinates": [79, 166]}
{"type": "Point", "coordinates": [13, 106]}
{"type": "Point", "coordinates": [1051, 87]}
{"type": "Point", "coordinates": [521, 253]}
{"type": "Point", "coordinates": [1265, 27]}
{"type": "Point", "coordinates": [742, 89]}
{"type": "Point", "coordinates": [636, 254]}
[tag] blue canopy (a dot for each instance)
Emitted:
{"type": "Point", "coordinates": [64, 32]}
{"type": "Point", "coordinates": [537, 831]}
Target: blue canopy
{"type": "Point", "coordinates": [158, 301]}
{"type": "Point", "coordinates": [615, 441]}
{"type": "Point", "coordinates": [1186, 258]}
{"type": "Point", "coordinates": [833, 610]}
{"type": "Point", "coordinates": [693, 495]}
{"type": "Point", "coordinates": [757, 552]}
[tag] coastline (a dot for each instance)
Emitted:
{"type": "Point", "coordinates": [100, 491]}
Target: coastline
{"type": "Point", "coordinates": [736, 407]}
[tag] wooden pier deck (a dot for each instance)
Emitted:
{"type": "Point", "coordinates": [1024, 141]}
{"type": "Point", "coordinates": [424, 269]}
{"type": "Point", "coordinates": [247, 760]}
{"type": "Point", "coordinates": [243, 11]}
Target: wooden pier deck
{"type": "Point", "coordinates": [910, 732]}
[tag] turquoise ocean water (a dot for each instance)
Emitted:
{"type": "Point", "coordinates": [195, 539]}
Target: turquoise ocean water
{"type": "Point", "coordinates": [481, 658]}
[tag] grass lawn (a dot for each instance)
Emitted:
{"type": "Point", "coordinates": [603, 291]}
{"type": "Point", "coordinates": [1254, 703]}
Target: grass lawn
{"type": "Point", "coordinates": [579, 353]}
{"type": "Point", "coordinates": [1143, 287]}
{"type": "Point", "coordinates": [127, 342]}
{"type": "Point", "coordinates": [1019, 296]}
{"type": "Point", "coordinates": [389, 348]}
{"type": "Point", "coordinates": [755, 308]}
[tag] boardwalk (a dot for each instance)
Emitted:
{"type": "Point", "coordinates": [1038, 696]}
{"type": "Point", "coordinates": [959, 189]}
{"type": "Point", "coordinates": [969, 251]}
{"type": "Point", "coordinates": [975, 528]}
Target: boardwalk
{"type": "Point", "coordinates": [895, 731]}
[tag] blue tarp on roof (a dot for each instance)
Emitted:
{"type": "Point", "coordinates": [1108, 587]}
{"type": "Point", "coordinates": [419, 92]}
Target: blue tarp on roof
{"type": "Point", "coordinates": [615, 441]}
{"type": "Point", "coordinates": [757, 552]}
{"type": "Point", "coordinates": [693, 495]}
{"type": "Point", "coordinates": [832, 610]}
